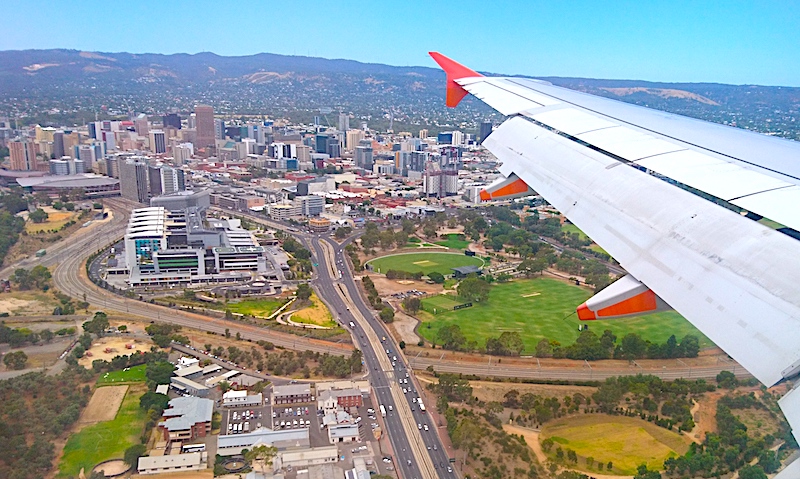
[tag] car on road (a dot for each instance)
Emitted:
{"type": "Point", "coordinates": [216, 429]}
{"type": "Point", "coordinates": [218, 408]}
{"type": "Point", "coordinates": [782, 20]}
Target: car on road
{"type": "Point", "coordinates": [449, 469]}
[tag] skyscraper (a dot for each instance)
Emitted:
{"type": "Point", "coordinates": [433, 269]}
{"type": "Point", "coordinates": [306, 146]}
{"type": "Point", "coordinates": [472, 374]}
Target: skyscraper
{"type": "Point", "coordinates": [485, 131]}
{"type": "Point", "coordinates": [23, 155]}
{"type": "Point", "coordinates": [58, 144]}
{"type": "Point", "coordinates": [141, 125]}
{"type": "Point", "coordinates": [423, 133]}
{"type": "Point", "coordinates": [158, 141]}
{"type": "Point", "coordinates": [363, 157]}
{"type": "Point", "coordinates": [344, 122]}
{"type": "Point", "coordinates": [204, 122]}
{"type": "Point", "coordinates": [133, 181]}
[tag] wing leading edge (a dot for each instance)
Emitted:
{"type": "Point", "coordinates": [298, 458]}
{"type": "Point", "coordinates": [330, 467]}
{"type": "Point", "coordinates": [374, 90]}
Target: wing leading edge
{"type": "Point", "coordinates": [733, 278]}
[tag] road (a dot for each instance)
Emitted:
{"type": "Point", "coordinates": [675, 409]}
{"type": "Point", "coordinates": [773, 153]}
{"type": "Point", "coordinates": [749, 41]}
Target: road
{"type": "Point", "coordinates": [419, 452]}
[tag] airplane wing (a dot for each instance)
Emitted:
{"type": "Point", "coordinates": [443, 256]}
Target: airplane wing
{"type": "Point", "coordinates": [666, 196]}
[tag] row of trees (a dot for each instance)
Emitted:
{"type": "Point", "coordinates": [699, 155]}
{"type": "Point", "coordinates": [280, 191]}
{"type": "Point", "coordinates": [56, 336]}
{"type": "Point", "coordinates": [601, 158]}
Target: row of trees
{"type": "Point", "coordinates": [16, 337]}
{"type": "Point", "coordinates": [590, 347]}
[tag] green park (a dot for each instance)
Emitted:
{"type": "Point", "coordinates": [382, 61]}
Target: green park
{"type": "Point", "coordinates": [540, 308]}
{"type": "Point", "coordinates": [424, 262]}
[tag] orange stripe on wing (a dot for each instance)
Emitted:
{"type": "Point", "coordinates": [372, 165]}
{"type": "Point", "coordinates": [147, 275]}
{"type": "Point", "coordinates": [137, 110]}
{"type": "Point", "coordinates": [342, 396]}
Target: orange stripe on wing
{"type": "Point", "coordinates": [641, 303]}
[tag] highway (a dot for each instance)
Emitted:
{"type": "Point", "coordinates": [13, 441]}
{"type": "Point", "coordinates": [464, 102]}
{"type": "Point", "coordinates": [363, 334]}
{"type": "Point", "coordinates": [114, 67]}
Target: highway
{"type": "Point", "coordinates": [403, 420]}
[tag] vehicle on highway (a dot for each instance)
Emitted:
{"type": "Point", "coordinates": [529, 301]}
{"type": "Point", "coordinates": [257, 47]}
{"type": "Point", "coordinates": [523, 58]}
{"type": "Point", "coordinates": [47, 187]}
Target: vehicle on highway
{"type": "Point", "coordinates": [383, 410]}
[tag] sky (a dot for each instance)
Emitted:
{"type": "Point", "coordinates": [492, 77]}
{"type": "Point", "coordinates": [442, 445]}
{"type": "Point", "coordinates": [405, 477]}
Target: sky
{"type": "Point", "coordinates": [739, 42]}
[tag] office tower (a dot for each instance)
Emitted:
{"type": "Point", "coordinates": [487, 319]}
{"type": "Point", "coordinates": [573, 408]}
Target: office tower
{"type": "Point", "coordinates": [445, 138]}
{"type": "Point", "coordinates": [458, 138]}
{"type": "Point", "coordinates": [109, 139]}
{"type": "Point", "coordinates": [58, 144]}
{"type": "Point", "coordinates": [112, 166]}
{"type": "Point", "coordinates": [158, 141]}
{"type": "Point", "coordinates": [191, 122]}
{"type": "Point", "coordinates": [133, 180]}
{"type": "Point", "coordinates": [141, 125]}
{"type": "Point", "coordinates": [182, 153]}
{"type": "Point", "coordinates": [59, 167]}
{"type": "Point", "coordinates": [87, 153]}
{"type": "Point", "coordinates": [321, 144]}
{"type": "Point", "coordinates": [363, 157]}
{"type": "Point", "coordinates": [344, 122]}
{"type": "Point", "coordinates": [171, 120]}
{"type": "Point", "coordinates": [219, 129]}
{"type": "Point", "coordinates": [204, 122]}
{"type": "Point", "coordinates": [423, 133]}
{"type": "Point", "coordinates": [154, 180]}
{"type": "Point", "coordinates": [172, 180]}
{"type": "Point", "coordinates": [78, 166]}
{"type": "Point", "coordinates": [23, 155]}
{"type": "Point", "coordinates": [485, 131]}
{"type": "Point", "coordinates": [352, 139]}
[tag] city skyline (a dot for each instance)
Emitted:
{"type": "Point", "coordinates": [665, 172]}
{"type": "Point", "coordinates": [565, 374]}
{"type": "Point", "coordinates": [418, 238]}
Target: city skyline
{"type": "Point", "coordinates": [740, 43]}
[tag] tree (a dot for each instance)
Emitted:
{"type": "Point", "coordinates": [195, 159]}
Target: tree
{"type": "Point", "coordinates": [303, 292]}
{"type": "Point", "coordinates": [38, 216]}
{"type": "Point", "coordinates": [98, 324]}
{"type": "Point", "coordinates": [451, 337]}
{"type": "Point", "coordinates": [15, 360]}
{"type": "Point", "coordinates": [387, 315]}
{"type": "Point", "coordinates": [133, 453]}
{"type": "Point", "coordinates": [70, 206]}
{"type": "Point", "coordinates": [412, 304]}
{"type": "Point", "coordinates": [153, 400]}
{"type": "Point", "coordinates": [263, 455]}
{"type": "Point", "coordinates": [159, 372]}
{"type": "Point", "coordinates": [473, 289]}
{"type": "Point", "coordinates": [644, 473]}
{"type": "Point", "coordinates": [436, 277]}
{"type": "Point", "coordinates": [727, 380]}
{"type": "Point", "coordinates": [752, 472]}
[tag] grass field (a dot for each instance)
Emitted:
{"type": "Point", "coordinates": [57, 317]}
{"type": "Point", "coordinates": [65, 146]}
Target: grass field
{"type": "Point", "coordinates": [454, 241]}
{"type": "Point", "coordinates": [256, 307]}
{"type": "Point", "coordinates": [105, 440]}
{"type": "Point", "coordinates": [317, 313]}
{"type": "Point", "coordinates": [425, 262]}
{"type": "Point", "coordinates": [132, 375]}
{"type": "Point", "coordinates": [542, 308]}
{"type": "Point", "coordinates": [570, 228]}
{"type": "Point", "coordinates": [625, 441]}
{"type": "Point", "coordinates": [55, 220]}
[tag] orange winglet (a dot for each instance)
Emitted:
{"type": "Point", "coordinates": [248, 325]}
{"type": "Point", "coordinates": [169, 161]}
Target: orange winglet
{"type": "Point", "coordinates": [586, 314]}
{"type": "Point", "coordinates": [454, 71]}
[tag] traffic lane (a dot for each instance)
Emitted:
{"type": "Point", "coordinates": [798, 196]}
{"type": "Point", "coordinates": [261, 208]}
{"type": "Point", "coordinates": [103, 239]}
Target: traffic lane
{"type": "Point", "coordinates": [397, 435]}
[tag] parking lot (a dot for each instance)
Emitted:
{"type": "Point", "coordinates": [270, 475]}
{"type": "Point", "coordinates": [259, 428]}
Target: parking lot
{"type": "Point", "coordinates": [238, 420]}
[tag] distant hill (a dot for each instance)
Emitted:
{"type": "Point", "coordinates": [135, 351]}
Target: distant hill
{"type": "Point", "coordinates": [71, 80]}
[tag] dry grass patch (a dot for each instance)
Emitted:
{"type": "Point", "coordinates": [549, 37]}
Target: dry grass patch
{"type": "Point", "coordinates": [316, 313]}
{"type": "Point", "coordinates": [103, 405]}
{"type": "Point", "coordinates": [625, 441]}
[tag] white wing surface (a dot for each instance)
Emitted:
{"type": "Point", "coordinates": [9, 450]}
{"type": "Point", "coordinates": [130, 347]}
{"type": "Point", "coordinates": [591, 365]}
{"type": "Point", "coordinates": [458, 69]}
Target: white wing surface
{"type": "Point", "coordinates": [649, 187]}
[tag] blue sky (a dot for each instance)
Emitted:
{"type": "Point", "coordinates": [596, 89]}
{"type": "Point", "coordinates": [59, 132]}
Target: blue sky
{"type": "Point", "coordinates": [712, 41]}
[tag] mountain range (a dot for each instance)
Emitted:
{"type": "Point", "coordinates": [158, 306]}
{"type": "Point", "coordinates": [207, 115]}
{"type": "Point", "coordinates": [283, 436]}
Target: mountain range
{"type": "Point", "coordinates": [61, 81]}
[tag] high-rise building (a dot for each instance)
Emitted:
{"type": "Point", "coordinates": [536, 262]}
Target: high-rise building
{"type": "Point", "coordinates": [352, 139]}
{"type": "Point", "coordinates": [154, 180]}
{"type": "Point", "coordinates": [133, 180]}
{"type": "Point", "coordinates": [171, 120]}
{"type": "Point", "coordinates": [423, 133]}
{"type": "Point", "coordinates": [458, 138]}
{"type": "Point", "coordinates": [59, 167]}
{"type": "Point", "coordinates": [219, 129]}
{"type": "Point", "coordinates": [344, 122]}
{"type": "Point", "coordinates": [485, 131]}
{"type": "Point", "coordinates": [363, 157]}
{"type": "Point", "coordinates": [182, 153]}
{"type": "Point", "coordinates": [172, 181]}
{"type": "Point", "coordinates": [141, 125]}
{"type": "Point", "coordinates": [87, 153]}
{"type": "Point", "coordinates": [204, 122]}
{"type": "Point", "coordinates": [58, 144]}
{"type": "Point", "coordinates": [158, 141]}
{"type": "Point", "coordinates": [23, 155]}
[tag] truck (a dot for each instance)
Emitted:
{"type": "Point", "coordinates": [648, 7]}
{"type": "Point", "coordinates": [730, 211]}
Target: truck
{"type": "Point", "coordinates": [383, 411]}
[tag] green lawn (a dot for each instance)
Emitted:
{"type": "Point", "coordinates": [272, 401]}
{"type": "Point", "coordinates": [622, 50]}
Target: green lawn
{"type": "Point", "coordinates": [105, 440]}
{"type": "Point", "coordinates": [256, 307]}
{"type": "Point", "coordinates": [134, 374]}
{"type": "Point", "coordinates": [542, 308]}
{"type": "Point", "coordinates": [454, 241]}
{"type": "Point", "coordinates": [570, 228]}
{"type": "Point", "coordinates": [425, 262]}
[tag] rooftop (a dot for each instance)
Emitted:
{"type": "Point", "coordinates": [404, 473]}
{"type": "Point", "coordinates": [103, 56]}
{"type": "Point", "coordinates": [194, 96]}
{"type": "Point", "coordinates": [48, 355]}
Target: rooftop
{"type": "Point", "coordinates": [184, 412]}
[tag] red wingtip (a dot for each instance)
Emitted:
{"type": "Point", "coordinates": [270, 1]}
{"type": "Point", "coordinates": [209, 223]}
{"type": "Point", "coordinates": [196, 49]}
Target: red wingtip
{"type": "Point", "coordinates": [586, 314]}
{"type": "Point", "coordinates": [454, 71]}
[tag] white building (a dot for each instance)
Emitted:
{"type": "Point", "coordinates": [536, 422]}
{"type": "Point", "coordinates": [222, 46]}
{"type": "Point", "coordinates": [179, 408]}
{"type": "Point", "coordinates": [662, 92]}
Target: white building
{"type": "Point", "coordinates": [195, 461]}
{"type": "Point", "coordinates": [241, 398]}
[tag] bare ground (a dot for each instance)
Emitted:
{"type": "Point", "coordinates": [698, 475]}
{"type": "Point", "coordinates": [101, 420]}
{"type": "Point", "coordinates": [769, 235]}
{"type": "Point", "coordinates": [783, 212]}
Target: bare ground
{"type": "Point", "coordinates": [115, 346]}
{"type": "Point", "coordinates": [103, 405]}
